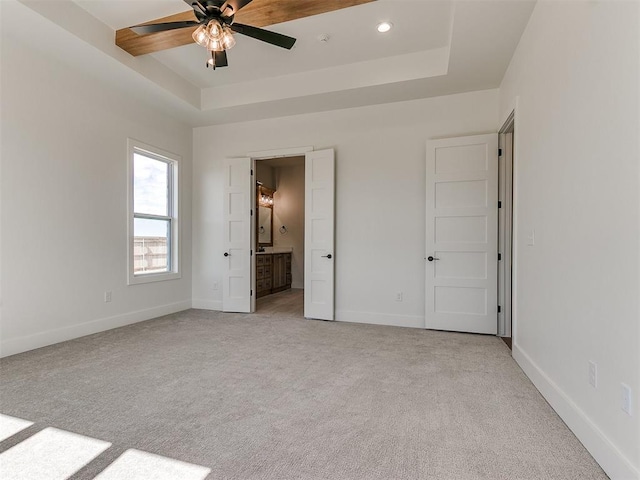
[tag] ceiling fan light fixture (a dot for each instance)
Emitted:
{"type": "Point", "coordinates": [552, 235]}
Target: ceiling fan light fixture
{"type": "Point", "coordinates": [200, 36]}
{"type": "Point", "coordinates": [384, 27]}
{"type": "Point", "coordinates": [214, 29]}
{"type": "Point", "coordinates": [215, 46]}
{"type": "Point", "coordinates": [214, 36]}
{"type": "Point", "coordinates": [228, 40]}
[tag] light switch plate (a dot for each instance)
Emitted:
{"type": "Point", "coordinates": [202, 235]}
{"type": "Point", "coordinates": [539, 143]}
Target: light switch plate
{"type": "Point", "coordinates": [531, 238]}
{"type": "Point", "coordinates": [626, 398]}
{"type": "Point", "coordinates": [593, 374]}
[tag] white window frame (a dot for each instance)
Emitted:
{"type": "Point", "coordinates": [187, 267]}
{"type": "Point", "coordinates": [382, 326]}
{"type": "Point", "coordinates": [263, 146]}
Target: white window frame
{"type": "Point", "coordinates": [134, 146]}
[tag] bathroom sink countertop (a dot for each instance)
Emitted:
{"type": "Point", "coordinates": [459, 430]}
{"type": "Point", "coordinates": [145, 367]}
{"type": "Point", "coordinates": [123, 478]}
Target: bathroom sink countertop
{"type": "Point", "coordinates": [271, 250]}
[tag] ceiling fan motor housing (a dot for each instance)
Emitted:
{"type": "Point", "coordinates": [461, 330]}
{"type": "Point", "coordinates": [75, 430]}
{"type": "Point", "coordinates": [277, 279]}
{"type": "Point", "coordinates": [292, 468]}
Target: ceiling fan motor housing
{"type": "Point", "coordinates": [206, 10]}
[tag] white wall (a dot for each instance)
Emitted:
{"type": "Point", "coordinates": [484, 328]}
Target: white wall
{"type": "Point", "coordinates": [288, 210]}
{"type": "Point", "coordinates": [380, 195]}
{"type": "Point", "coordinates": [64, 213]}
{"type": "Point", "coordinates": [265, 175]}
{"type": "Point", "coordinates": [575, 78]}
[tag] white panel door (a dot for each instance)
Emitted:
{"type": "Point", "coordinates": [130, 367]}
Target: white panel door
{"type": "Point", "coordinates": [462, 234]}
{"type": "Point", "coordinates": [236, 285]}
{"type": "Point", "coordinates": [319, 235]}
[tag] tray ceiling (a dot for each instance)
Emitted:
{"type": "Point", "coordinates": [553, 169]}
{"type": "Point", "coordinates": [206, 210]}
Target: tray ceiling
{"type": "Point", "coordinates": [435, 48]}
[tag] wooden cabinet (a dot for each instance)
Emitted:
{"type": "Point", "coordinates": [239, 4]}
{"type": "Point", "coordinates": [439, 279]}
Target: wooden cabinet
{"type": "Point", "coordinates": [273, 273]}
{"type": "Point", "coordinates": [263, 275]}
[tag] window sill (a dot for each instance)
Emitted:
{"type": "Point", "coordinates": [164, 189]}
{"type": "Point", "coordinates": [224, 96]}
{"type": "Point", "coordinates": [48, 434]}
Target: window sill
{"type": "Point", "coordinates": [153, 277]}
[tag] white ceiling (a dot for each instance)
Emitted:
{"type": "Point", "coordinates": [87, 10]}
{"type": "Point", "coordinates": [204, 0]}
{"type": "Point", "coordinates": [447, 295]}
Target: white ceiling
{"type": "Point", "coordinates": [419, 25]}
{"type": "Point", "coordinates": [436, 47]}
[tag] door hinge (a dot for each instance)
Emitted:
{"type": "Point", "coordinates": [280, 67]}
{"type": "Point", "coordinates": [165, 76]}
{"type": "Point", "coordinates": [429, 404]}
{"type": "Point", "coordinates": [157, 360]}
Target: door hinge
{"type": "Point", "coordinates": [499, 204]}
{"type": "Point", "coordinates": [252, 293]}
{"type": "Point", "coordinates": [252, 171]}
{"type": "Point", "coordinates": [499, 309]}
{"type": "Point", "coordinates": [499, 152]}
{"type": "Point", "coordinates": [499, 256]}
{"type": "Point", "coordinates": [250, 253]}
{"type": "Point", "coordinates": [252, 212]}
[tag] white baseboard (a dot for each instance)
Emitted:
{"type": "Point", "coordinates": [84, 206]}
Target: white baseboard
{"type": "Point", "coordinates": [49, 337]}
{"type": "Point", "coordinates": [412, 321]}
{"type": "Point", "coordinates": [207, 305]}
{"type": "Point", "coordinates": [612, 461]}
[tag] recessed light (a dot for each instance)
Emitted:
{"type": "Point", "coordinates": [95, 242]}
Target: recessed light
{"type": "Point", "coordinates": [384, 27]}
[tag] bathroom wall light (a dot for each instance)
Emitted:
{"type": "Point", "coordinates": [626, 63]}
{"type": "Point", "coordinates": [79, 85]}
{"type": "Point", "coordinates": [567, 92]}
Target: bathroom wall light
{"type": "Point", "coordinates": [266, 200]}
{"type": "Point", "coordinates": [264, 195]}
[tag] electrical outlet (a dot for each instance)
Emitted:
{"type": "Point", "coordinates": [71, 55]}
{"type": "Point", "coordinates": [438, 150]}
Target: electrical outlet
{"type": "Point", "coordinates": [107, 296]}
{"type": "Point", "coordinates": [593, 374]}
{"type": "Point", "coordinates": [626, 398]}
{"type": "Point", "coordinates": [399, 297]}
{"type": "Point", "coordinates": [215, 285]}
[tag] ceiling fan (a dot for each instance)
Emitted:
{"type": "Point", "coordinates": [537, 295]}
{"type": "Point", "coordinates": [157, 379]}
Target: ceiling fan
{"type": "Point", "coordinates": [215, 26]}
{"type": "Point", "coordinates": [211, 23]}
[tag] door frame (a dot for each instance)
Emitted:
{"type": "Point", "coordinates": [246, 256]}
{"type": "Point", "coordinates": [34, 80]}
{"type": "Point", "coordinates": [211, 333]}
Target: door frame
{"type": "Point", "coordinates": [509, 121]}
{"type": "Point", "coordinates": [505, 225]}
{"type": "Point", "coordinates": [257, 156]}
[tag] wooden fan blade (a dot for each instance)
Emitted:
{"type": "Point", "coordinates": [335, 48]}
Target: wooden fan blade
{"type": "Point", "coordinates": [259, 13]}
{"type": "Point", "coordinates": [235, 5]}
{"type": "Point", "coordinates": [161, 27]}
{"type": "Point", "coordinates": [263, 35]}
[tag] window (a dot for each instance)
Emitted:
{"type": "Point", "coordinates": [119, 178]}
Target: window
{"type": "Point", "coordinates": [153, 214]}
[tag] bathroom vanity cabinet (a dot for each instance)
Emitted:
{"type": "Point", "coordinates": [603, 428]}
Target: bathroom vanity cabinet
{"type": "Point", "coordinates": [273, 273]}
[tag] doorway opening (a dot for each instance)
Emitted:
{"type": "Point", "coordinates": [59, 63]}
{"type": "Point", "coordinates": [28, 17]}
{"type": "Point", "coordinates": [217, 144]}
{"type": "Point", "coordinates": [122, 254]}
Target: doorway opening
{"type": "Point", "coordinates": [280, 236]}
{"type": "Point", "coordinates": [505, 228]}
{"type": "Point", "coordinates": [241, 238]}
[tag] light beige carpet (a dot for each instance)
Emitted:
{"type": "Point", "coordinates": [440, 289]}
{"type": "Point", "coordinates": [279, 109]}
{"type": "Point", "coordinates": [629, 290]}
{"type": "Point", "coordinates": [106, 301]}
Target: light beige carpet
{"type": "Point", "coordinates": [269, 397]}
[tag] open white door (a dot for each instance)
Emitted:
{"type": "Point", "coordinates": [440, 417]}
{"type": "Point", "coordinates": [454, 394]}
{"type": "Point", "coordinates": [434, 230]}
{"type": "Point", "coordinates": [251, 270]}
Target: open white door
{"type": "Point", "coordinates": [319, 235]}
{"type": "Point", "coordinates": [236, 286]}
{"type": "Point", "coordinates": [462, 234]}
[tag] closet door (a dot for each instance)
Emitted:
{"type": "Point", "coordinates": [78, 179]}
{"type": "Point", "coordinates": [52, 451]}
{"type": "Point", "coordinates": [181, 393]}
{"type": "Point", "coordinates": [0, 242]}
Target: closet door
{"type": "Point", "coordinates": [462, 234]}
{"type": "Point", "coordinates": [319, 235]}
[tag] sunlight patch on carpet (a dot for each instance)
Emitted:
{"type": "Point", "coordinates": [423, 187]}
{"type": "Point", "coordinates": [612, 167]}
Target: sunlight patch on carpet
{"type": "Point", "coordinates": [50, 454]}
{"type": "Point", "coordinates": [139, 465]}
{"type": "Point", "coordinates": [9, 426]}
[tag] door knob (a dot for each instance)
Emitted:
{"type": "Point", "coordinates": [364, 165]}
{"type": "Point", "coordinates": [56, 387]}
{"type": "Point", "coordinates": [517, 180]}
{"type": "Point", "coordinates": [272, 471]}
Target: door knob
{"type": "Point", "coordinates": [226, 254]}
{"type": "Point", "coordinates": [431, 259]}
{"type": "Point", "coordinates": [327, 256]}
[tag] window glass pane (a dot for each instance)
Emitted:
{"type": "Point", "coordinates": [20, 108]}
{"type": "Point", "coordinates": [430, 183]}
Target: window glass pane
{"type": "Point", "coordinates": [150, 185]}
{"type": "Point", "coordinates": [151, 246]}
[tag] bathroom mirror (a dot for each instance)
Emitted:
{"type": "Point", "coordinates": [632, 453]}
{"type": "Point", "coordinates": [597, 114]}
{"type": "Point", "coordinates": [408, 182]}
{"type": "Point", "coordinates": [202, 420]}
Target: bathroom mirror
{"type": "Point", "coordinates": [264, 227]}
{"type": "Point", "coordinates": [265, 222]}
